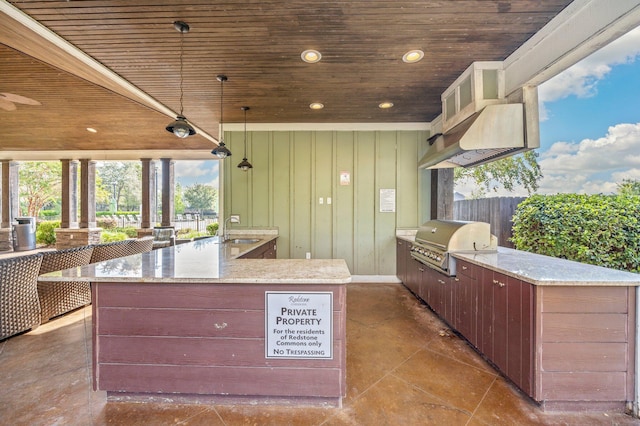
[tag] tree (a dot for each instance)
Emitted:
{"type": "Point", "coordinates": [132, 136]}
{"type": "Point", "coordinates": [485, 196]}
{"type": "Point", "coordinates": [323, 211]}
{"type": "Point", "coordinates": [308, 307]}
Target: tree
{"type": "Point", "coordinates": [40, 183]}
{"type": "Point", "coordinates": [178, 203]}
{"type": "Point", "coordinates": [629, 187]}
{"type": "Point", "coordinates": [200, 197]}
{"type": "Point", "coordinates": [126, 178]}
{"type": "Point", "coordinates": [522, 169]}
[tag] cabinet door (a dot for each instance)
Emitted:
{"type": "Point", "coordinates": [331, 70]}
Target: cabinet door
{"type": "Point", "coordinates": [500, 320]}
{"type": "Point", "coordinates": [448, 287]}
{"type": "Point", "coordinates": [520, 333]}
{"type": "Point", "coordinates": [505, 327]}
{"type": "Point", "coordinates": [466, 305]}
{"type": "Point", "coordinates": [402, 253]}
{"type": "Point", "coordinates": [414, 276]}
{"type": "Point", "coordinates": [484, 318]}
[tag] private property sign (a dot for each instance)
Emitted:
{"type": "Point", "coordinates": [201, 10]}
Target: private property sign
{"type": "Point", "coordinates": [299, 325]}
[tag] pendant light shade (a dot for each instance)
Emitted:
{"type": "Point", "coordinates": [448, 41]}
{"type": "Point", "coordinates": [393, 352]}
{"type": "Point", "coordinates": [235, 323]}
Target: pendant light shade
{"type": "Point", "coordinates": [180, 127]}
{"type": "Point", "coordinates": [245, 164]}
{"type": "Point", "coordinates": [221, 150]}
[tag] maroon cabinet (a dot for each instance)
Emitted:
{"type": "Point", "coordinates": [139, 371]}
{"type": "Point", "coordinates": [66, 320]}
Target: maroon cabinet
{"type": "Point", "coordinates": [465, 287]}
{"type": "Point", "coordinates": [402, 254]}
{"type": "Point", "coordinates": [505, 325]}
{"type": "Point", "coordinates": [565, 346]}
{"type": "Point", "coordinates": [265, 251]}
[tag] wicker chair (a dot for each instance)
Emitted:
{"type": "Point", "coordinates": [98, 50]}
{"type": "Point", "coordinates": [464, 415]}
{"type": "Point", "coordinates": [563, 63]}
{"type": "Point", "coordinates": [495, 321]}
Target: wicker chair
{"type": "Point", "coordinates": [108, 251]}
{"type": "Point", "coordinates": [140, 245]}
{"type": "Point", "coordinates": [57, 298]}
{"type": "Point", "coordinates": [19, 306]}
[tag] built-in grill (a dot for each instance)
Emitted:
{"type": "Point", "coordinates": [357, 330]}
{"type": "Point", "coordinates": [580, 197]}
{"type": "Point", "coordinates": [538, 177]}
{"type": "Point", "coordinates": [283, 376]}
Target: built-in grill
{"type": "Point", "coordinates": [437, 239]}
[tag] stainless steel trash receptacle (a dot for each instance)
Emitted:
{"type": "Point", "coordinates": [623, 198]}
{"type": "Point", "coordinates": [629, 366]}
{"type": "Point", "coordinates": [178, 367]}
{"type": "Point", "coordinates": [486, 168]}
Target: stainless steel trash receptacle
{"type": "Point", "coordinates": [24, 234]}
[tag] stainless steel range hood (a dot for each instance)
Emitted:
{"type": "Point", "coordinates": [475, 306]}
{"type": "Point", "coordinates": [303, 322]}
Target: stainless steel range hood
{"type": "Point", "coordinates": [494, 132]}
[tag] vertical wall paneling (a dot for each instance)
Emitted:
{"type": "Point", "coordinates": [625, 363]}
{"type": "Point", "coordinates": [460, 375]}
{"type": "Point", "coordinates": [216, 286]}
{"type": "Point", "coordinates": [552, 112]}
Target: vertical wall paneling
{"type": "Point", "coordinates": [322, 228]}
{"type": "Point", "coordinates": [294, 169]}
{"type": "Point", "coordinates": [365, 203]}
{"type": "Point", "coordinates": [240, 184]}
{"type": "Point", "coordinates": [280, 192]}
{"type": "Point", "coordinates": [424, 188]}
{"type": "Point", "coordinates": [343, 203]}
{"type": "Point", "coordinates": [385, 222]}
{"type": "Point", "coordinates": [407, 179]}
{"type": "Point", "coordinates": [259, 202]}
{"type": "Point", "coordinates": [301, 200]}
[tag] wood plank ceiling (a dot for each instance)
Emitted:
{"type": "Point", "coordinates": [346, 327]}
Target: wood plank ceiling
{"type": "Point", "coordinates": [257, 44]}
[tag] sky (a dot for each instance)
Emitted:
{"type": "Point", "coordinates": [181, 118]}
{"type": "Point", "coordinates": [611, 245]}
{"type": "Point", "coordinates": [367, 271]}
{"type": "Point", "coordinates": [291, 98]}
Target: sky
{"type": "Point", "coordinates": [589, 127]}
{"type": "Point", "coordinates": [589, 123]}
{"type": "Point", "coordinates": [201, 171]}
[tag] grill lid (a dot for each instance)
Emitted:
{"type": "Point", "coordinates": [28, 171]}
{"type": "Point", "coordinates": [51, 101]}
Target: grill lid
{"type": "Point", "coordinates": [451, 235]}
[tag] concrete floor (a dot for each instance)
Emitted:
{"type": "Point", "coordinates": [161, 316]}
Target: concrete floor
{"type": "Point", "coordinates": [403, 368]}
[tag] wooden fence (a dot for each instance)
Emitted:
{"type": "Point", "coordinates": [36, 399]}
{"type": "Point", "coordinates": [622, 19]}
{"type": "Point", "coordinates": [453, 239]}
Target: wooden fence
{"type": "Point", "coordinates": [497, 211]}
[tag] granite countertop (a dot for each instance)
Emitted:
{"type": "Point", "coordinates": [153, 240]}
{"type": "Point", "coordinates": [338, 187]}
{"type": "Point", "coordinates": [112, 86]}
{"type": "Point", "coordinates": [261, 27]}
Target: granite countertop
{"type": "Point", "coordinates": [548, 271]}
{"type": "Point", "coordinates": [209, 261]}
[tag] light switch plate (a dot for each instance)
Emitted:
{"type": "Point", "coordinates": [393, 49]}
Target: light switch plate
{"type": "Point", "coordinates": [321, 200]}
{"type": "Point", "coordinates": [328, 200]}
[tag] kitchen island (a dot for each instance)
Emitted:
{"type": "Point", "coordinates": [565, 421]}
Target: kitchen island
{"type": "Point", "coordinates": [203, 322]}
{"type": "Point", "coordinates": [563, 332]}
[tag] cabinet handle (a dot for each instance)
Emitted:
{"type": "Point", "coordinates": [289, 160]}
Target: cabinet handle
{"type": "Point", "coordinates": [501, 284]}
{"type": "Point", "coordinates": [421, 269]}
{"type": "Point", "coordinates": [456, 279]}
{"type": "Point", "coordinates": [495, 281]}
{"type": "Point", "coordinates": [441, 281]}
{"type": "Point", "coordinates": [464, 268]}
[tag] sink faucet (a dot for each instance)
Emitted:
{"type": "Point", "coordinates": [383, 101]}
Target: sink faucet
{"type": "Point", "coordinates": [232, 219]}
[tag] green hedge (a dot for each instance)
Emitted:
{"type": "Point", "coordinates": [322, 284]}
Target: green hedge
{"type": "Point", "coordinates": [45, 231]}
{"type": "Point", "coordinates": [596, 229]}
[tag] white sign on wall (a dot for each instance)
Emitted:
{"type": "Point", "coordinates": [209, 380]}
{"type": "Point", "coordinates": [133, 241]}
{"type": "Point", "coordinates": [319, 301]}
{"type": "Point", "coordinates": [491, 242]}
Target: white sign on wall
{"type": "Point", "coordinates": [387, 200]}
{"type": "Point", "coordinates": [299, 325]}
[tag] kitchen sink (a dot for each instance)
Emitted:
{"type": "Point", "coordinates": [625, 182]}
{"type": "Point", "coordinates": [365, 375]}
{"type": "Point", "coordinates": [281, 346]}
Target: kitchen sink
{"type": "Point", "coordinates": [243, 240]}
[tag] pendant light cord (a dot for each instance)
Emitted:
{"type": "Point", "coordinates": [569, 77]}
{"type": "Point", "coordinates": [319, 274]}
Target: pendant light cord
{"type": "Point", "coordinates": [221, 110]}
{"type": "Point", "coordinates": [181, 69]}
{"type": "Point", "coordinates": [245, 133]}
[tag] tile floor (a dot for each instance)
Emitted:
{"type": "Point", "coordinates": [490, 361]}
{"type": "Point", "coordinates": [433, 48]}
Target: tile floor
{"type": "Point", "coordinates": [401, 370]}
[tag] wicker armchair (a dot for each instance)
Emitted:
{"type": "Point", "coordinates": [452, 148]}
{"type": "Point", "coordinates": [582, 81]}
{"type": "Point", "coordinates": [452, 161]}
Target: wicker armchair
{"type": "Point", "coordinates": [140, 245]}
{"type": "Point", "coordinates": [19, 306]}
{"type": "Point", "coordinates": [108, 251]}
{"type": "Point", "coordinates": [57, 298]}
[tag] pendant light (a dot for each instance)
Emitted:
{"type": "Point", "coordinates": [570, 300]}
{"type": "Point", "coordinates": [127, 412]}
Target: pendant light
{"type": "Point", "coordinates": [221, 150]}
{"type": "Point", "coordinates": [245, 164]}
{"type": "Point", "coordinates": [180, 127]}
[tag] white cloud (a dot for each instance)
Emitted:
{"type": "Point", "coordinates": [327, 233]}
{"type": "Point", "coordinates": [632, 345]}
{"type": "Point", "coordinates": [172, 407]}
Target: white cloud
{"type": "Point", "coordinates": [188, 172]}
{"type": "Point", "coordinates": [582, 79]}
{"type": "Point", "coordinates": [592, 166]}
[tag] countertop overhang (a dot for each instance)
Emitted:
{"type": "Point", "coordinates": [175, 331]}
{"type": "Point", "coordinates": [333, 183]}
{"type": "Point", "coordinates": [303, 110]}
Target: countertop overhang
{"type": "Point", "coordinates": [209, 261]}
{"type": "Point", "coordinates": [543, 270]}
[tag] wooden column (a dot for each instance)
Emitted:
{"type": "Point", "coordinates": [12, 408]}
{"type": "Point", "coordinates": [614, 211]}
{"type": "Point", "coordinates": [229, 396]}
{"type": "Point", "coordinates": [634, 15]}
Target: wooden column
{"type": "Point", "coordinates": [168, 180]}
{"type": "Point", "coordinates": [10, 192]}
{"type": "Point", "coordinates": [148, 193]}
{"type": "Point", "coordinates": [87, 193]}
{"type": "Point", "coordinates": [10, 204]}
{"type": "Point", "coordinates": [69, 214]}
{"type": "Point", "coordinates": [442, 194]}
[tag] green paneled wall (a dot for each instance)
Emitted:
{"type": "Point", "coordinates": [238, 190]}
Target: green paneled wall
{"type": "Point", "coordinates": [295, 186]}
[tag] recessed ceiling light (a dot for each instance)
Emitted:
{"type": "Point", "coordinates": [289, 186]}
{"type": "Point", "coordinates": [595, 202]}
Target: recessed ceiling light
{"type": "Point", "coordinates": [316, 105]}
{"type": "Point", "coordinates": [412, 56]}
{"type": "Point", "coordinates": [385, 105]}
{"type": "Point", "coordinates": [311, 56]}
{"type": "Point", "coordinates": [92, 130]}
